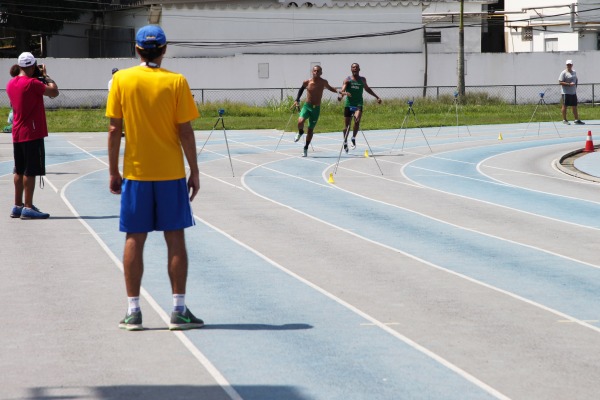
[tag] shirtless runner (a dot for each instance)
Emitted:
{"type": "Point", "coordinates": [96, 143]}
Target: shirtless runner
{"type": "Point", "coordinates": [312, 107]}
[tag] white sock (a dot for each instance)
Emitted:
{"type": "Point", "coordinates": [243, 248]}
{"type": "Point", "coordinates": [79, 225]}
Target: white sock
{"type": "Point", "coordinates": [179, 302]}
{"type": "Point", "coordinates": [133, 304]}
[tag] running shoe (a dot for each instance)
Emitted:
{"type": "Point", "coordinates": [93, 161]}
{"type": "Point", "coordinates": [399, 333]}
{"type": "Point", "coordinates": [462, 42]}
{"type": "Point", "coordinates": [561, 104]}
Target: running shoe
{"type": "Point", "coordinates": [132, 322]}
{"type": "Point", "coordinates": [181, 321]}
{"type": "Point", "coordinates": [353, 146]}
{"type": "Point", "coordinates": [33, 213]}
{"type": "Point", "coordinates": [566, 122]}
{"type": "Point", "coordinates": [304, 152]}
{"type": "Point", "coordinates": [346, 147]}
{"type": "Point", "coordinates": [298, 136]}
{"type": "Point", "coordinates": [16, 211]}
{"type": "Point", "coordinates": [579, 122]}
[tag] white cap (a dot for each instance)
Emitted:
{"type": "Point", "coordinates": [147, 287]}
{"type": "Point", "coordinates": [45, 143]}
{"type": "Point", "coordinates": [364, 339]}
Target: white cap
{"type": "Point", "coordinates": [569, 62]}
{"type": "Point", "coordinates": [26, 60]}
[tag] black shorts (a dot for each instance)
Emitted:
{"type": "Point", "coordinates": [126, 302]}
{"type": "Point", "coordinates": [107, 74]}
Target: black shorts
{"type": "Point", "coordinates": [569, 99]}
{"type": "Point", "coordinates": [30, 158]}
{"type": "Point", "coordinates": [348, 113]}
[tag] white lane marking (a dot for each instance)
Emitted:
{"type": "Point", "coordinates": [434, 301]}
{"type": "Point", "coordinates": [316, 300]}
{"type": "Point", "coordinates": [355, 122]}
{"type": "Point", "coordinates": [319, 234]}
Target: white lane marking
{"type": "Point", "coordinates": [204, 361]}
{"type": "Point", "coordinates": [468, 278]}
{"type": "Point", "coordinates": [46, 180]}
{"type": "Point", "coordinates": [480, 164]}
{"type": "Point", "coordinates": [408, 165]}
{"type": "Point", "coordinates": [357, 311]}
{"type": "Point", "coordinates": [88, 153]}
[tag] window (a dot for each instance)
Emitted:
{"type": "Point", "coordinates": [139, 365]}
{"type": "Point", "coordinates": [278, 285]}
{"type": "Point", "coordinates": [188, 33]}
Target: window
{"type": "Point", "coordinates": [527, 34]}
{"type": "Point", "coordinates": [433, 37]}
{"type": "Point", "coordinates": [551, 44]}
{"type": "Point", "coordinates": [263, 70]}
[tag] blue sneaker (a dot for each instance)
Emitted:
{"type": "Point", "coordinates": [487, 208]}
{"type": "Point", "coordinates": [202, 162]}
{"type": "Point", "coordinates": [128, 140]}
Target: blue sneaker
{"type": "Point", "coordinates": [33, 213]}
{"type": "Point", "coordinates": [16, 211]}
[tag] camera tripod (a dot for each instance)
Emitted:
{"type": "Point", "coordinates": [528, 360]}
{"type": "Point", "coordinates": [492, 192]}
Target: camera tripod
{"type": "Point", "coordinates": [455, 105]}
{"type": "Point", "coordinates": [410, 111]}
{"type": "Point", "coordinates": [219, 119]}
{"type": "Point", "coordinates": [353, 110]}
{"type": "Point", "coordinates": [542, 102]}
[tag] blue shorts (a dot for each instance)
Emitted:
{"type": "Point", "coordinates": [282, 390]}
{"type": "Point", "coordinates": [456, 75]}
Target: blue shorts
{"type": "Point", "coordinates": [148, 206]}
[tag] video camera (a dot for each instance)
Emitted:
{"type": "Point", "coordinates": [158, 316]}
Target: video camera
{"type": "Point", "coordinates": [37, 73]}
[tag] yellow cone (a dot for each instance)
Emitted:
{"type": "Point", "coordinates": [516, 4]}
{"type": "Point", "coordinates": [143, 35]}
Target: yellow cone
{"type": "Point", "coordinates": [500, 137]}
{"type": "Point", "coordinates": [331, 178]}
{"type": "Point", "coordinates": [366, 154]}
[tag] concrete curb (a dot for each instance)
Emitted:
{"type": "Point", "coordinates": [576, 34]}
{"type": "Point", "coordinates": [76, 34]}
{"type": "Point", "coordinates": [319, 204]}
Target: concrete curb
{"type": "Point", "coordinates": [566, 164]}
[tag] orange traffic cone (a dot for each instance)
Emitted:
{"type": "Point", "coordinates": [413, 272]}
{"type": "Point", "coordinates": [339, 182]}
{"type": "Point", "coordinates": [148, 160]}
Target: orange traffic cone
{"type": "Point", "coordinates": [589, 145]}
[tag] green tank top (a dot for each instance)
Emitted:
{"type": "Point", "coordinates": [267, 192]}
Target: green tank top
{"type": "Point", "coordinates": [355, 88]}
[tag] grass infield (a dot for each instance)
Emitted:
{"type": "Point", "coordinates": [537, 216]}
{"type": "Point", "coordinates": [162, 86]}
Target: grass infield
{"type": "Point", "coordinates": [478, 110]}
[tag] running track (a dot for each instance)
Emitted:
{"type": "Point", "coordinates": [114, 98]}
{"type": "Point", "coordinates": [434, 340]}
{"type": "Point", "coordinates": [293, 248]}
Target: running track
{"type": "Point", "coordinates": [469, 272]}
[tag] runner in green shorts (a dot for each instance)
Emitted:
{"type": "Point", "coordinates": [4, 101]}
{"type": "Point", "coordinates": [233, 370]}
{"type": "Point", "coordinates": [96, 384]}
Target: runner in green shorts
{"type": "Point", "coordinates": [312, 107]}
{"type": "Point", "coordinates": [354, 86]}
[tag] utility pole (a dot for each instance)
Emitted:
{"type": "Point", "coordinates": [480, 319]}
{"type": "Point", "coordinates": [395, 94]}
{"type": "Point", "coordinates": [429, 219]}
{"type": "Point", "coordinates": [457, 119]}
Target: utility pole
{"type": "Point", "coordinates": [461, 52]}
{"type": "Point", "coordinates": [426, 61]}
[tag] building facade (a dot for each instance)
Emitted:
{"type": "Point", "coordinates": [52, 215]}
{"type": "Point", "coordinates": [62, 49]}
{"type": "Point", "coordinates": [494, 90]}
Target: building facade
{"type": "Point", "coordinates": [225, 28]}
{"type": "Point", "coordinates": [552, 25]}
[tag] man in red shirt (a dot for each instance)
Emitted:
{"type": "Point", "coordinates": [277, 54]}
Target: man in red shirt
{"type": "Point", "coordinates": [26, 92]}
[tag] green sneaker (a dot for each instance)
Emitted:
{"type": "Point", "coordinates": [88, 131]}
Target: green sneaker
{"type": "Point", "coordinates": [298, 136]}
{"type": "Point", "coordinates": [304, 152]}
{"type": "Point", "coordinates": [181, 321]}
{"type": "Point", "coordinates": [132, 322]}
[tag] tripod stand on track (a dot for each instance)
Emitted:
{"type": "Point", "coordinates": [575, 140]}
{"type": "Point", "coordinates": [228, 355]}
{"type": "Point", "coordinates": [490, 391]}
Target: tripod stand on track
{"type": "Point", "coordinates": [542, 102]}
{"type": "Point", "coordinates": [455, 106]}
{"type": "Point", "coordinates": [219, 119]}
{"type": "Point", "coordinates": [353, 110]}
{"type": "Point", "coordinates": [410, 112]}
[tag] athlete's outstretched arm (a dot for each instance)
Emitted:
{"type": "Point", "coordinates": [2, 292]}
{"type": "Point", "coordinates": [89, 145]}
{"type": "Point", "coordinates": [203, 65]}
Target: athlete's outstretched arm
{"type": "Point", "coordinates": [370, 91]}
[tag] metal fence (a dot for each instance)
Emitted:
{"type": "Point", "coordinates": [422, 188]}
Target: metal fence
{"type": "Point", "coordinates": [511, 94]}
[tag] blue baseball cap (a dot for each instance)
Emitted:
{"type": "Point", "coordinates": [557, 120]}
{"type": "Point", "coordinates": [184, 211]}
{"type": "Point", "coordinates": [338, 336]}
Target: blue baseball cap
{"type": "Point", "coordinates": [150, 37]}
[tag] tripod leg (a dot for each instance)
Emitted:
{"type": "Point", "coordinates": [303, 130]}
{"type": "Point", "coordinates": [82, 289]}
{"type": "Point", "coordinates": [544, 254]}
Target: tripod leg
{"type": "Point", "coordinates": [550, 116]}
{"type": "Point", "coordinates": [284, 129]}
{"type": "Point", "coordinates": [211, 132]}
{"type": "Point", "coordinates": [371, 150]}
{"type": "Point", "coordinates": [227, 144]}
{"type": "Point", "coordinates": [532, 115]}
{"type": "Point", "coordinates": [444, 120]}
{"type": "Point", "coordinates": [398, 135]}
{"type": "Point", "coordinates": [422, 133]}
{"type": "Point", "coordinates": [346, 132]}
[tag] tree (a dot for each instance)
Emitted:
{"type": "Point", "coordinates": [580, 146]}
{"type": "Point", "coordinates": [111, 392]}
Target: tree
{"type": "Point", "coordinates": [24, 19]}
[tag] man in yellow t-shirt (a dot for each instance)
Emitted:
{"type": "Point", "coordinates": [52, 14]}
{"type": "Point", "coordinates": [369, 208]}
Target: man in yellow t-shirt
{"type": "Point", "coordinates": [158, 107]}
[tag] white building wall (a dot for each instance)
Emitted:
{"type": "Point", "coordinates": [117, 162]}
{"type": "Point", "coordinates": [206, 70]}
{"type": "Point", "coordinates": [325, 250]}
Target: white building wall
{"type": "Point", "coordinates": [200, 25]}
{"type": "Point", "coordinates": [381, 70]}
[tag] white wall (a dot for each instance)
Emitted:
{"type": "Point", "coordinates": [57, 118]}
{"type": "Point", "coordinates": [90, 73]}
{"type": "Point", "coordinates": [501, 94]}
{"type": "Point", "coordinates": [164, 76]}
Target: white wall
{"type": "Point", "coordinates": [204, 23]}
{"type": "Point", "coordinates": [381, 70]}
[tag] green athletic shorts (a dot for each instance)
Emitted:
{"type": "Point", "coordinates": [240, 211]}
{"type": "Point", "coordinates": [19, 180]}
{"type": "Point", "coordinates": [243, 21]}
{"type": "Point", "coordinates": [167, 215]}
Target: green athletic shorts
{"type": "Point", "coordinates": [311, 113]}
